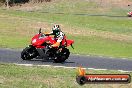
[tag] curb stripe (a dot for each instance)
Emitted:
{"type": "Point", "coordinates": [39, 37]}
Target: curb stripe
{"type": "Point", "coordinates": [66, 67]}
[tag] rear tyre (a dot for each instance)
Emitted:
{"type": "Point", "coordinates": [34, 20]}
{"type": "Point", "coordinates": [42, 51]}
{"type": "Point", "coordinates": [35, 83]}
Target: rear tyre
{"type": "Point", "coordinates": [28, 53]}
{"type": "Point", "coordinates": [62, 56]}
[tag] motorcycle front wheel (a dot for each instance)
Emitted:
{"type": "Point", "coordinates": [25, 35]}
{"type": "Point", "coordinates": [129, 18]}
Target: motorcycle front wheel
{"type": "Point", "coordinates": [28, 53]}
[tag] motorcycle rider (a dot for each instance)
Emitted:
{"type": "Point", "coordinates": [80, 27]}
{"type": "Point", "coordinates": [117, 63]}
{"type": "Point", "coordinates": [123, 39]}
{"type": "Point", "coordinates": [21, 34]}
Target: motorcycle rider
{"type": "Point", "coordinates": [58, 35]}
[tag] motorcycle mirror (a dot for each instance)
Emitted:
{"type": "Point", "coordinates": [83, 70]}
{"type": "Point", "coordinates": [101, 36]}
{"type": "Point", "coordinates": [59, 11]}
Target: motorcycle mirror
{"type": "Point", "coordinates": [40, 30]}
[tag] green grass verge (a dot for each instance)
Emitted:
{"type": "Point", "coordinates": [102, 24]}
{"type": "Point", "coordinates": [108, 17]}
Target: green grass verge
{"type": "Point", "coordinates": [99, 23]}
{"type": "Point", "coordinates": [18, 27]}
{"type": "Point", "coordinates": [100, 46]}
{"type": "Point", "coordinates": [18, 33]}
{"type": "Point", "coordinates": [12, 76]}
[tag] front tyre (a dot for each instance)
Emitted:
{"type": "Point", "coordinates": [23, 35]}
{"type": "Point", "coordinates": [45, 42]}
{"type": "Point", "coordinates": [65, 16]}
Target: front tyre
{"type": "Point", "coordinates": [28, 53]}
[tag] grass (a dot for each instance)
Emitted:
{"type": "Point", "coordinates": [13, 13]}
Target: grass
{"type": "Point", "coordinates": [21, 31]}
{"type": "Point", "coordinates": [100, 46]}
{"type": "Point", "coordinates": [63, 6]}
{"type": "Point", "coordinates": [102, 31]}
{"type": "Point", "coordinates": [12, 76]}
{"type": "Point", "coordinates": [98, 22]}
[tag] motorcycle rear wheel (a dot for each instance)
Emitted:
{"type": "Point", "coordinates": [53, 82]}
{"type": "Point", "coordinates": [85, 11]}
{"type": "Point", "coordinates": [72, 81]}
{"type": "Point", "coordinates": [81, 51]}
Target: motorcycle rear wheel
{"type": "Point", "coordinates": [61, 57]}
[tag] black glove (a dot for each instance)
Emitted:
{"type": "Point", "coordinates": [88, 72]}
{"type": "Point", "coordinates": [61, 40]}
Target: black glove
{"type": "Point", "coordinates": [49, 46]}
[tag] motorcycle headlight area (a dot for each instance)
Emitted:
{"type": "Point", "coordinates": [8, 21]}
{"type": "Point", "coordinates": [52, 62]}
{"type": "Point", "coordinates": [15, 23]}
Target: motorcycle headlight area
{"type": "Point", "coordinates": [34, 41]}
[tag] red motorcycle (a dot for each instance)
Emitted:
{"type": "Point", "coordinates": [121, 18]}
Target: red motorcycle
{"type": "Point", "coordinates": [40, 47]}
{"type": "Point", "coordinates": [129, 14]}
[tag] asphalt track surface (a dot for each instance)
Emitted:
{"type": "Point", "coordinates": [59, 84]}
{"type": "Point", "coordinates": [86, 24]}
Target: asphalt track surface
{"type": "Point", "coordinates": [13, 56]}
